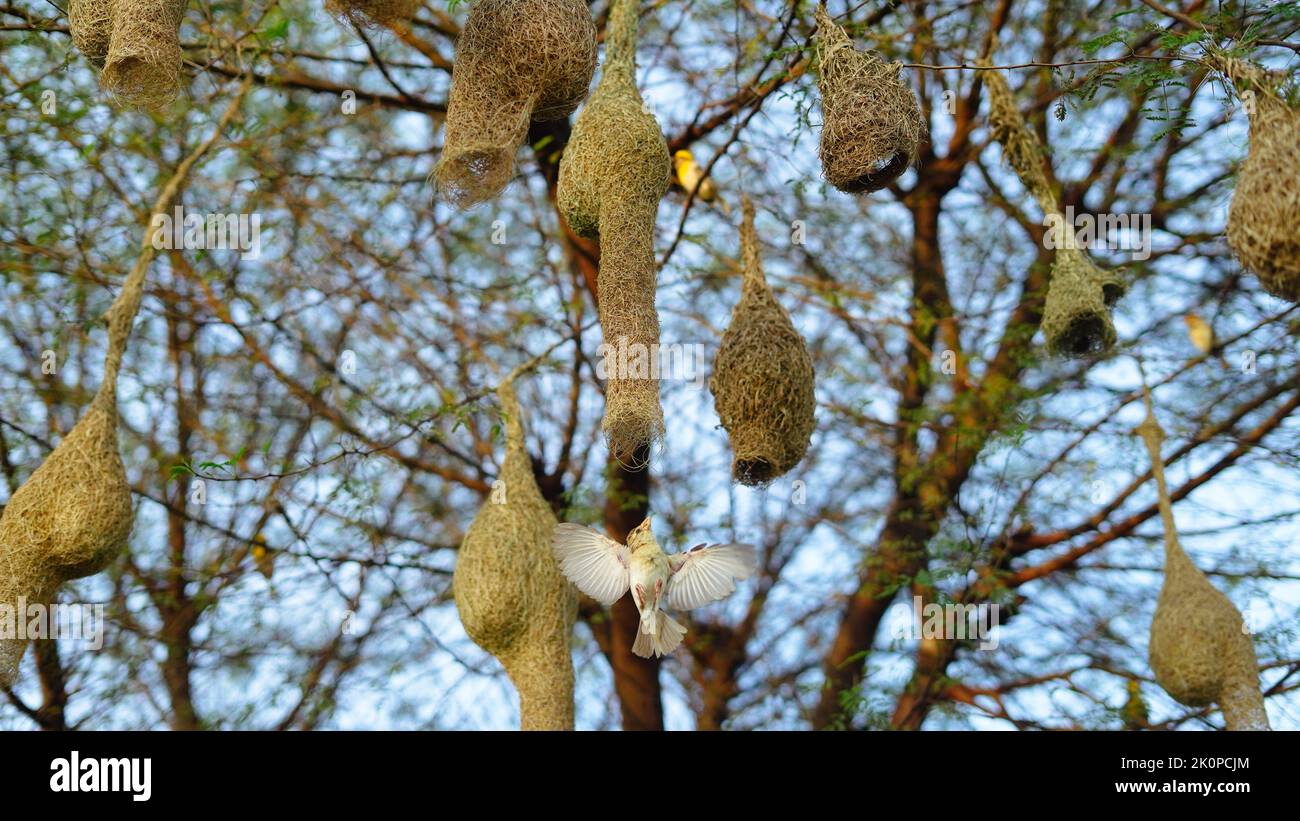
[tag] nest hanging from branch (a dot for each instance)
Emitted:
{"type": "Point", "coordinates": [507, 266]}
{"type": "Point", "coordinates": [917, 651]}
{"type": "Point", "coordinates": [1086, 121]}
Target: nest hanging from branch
{"type": "Point", "coordinates": [91, 24]}
{"type": "Point", "coordinates": [73, 515]}
{"type": "Point", "coordinates": [762, 380]}
{"type": "Point", "coordinates": [614, 171]}
{"type": "Point", "coordinates": [509, 591]}
{"type": "Point", "coordinates": [1076, 314]}
{"type": "Point", "coordinates": [871, 122]}
{"type": "Point", "coordinates": [143, 63]}
{"type": "Point", "coordinates": [1264, 218]}
{"type": "Point", "coordinates": [1199, 651]}
{"type": "Point", "coordinates": [516, 61]}
{"type": "Point", "coordinates": [373, 13]}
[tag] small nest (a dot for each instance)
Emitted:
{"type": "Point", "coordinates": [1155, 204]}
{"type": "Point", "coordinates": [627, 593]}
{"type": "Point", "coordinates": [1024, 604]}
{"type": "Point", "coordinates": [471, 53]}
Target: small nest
{"type": "Point", "coordinates": [516, 61]}
{"type": "Point", "coordinates": [143, 64]}
{"type": "Point", "coordinates": [73, 515]}
{"type": "Point", "coordinates": [1076, 316]}
{"type": "Point", "coordinates": [1198, 650]}
{"type": "Point", "coordinates": [91, 25]}
{"type": "Point", "coordinates": [509, 591]}
{"type": "Point", "coordinates": [372, 14]}
{"type": "Point", "coordinates": [762, 381]}
{"type": "Point", "coordinates": [871, 122]}
{"type": "Point", "coordinates": [613, 173]}
{"type": "Point", "coordinates": [1264, 216]}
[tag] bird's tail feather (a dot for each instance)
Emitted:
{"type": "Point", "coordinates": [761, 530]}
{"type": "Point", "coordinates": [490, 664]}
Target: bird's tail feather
{"type": "Point", "coordinates": [663, 637]}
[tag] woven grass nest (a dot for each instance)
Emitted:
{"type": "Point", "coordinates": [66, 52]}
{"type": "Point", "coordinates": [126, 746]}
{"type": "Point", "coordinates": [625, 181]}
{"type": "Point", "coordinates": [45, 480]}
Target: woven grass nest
{"type": "Point", "coordinates": [373, 13]}
{"type": "Point", "coordinates": [1264, 218]}
{"type": "Point", "coordinates": [516, 61]}
{"type": "Point", "coordinates": [135, 44]}
{"type": "Point", "coordinates": [509, 592]}
{"type": "Point", "coordinates": [1076, 315]}
{"type": "Point", "coordinates": [871, 122]}
{"type": "Point", "coordinates": [613, 173]}
{"type": "Point", "coordinates": [1198, 649]}
{"type": "Point", "coordinates": [143, 64]}
{"type": "Point", "coordinates": [91, 25]}
{"type": "Point", "coordinates": [762, 381]}
{"type": "Point", "coordinates": [73, 515]}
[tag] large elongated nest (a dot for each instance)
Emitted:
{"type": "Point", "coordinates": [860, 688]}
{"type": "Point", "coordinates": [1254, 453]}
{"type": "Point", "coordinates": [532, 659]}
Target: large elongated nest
{"type": "Point", "coordinates": [516, 61]}
{"type": "Point", "coordinates": [1264, 218]}
{"type": "Point", "coordinates": [509, 591]}
{"type": "Point", "coordinates": [762, 381]}
{"type": "Point", "coordinates": [1076, 315]}
{"type": "Point", "coordinates": [143, 63]}
{"type": "Point", "coordinates": [1199, 651]}
{"type": "Point", "coordinates": [871, 122]}
{"type": "Point", "coordinates": [73, 515]}
{"type": "Point", "coordinates": [91, 25]}
{"type": "Point", "coordinates": [613, 173]}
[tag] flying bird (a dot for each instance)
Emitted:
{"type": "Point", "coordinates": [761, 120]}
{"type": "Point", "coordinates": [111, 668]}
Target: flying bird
{"type": "Point", "coordinates": [605, 570]}
{"type": "Point", "coordinates": [689, 176]}
{"type": "Point", "coordinates": [1201, 333]}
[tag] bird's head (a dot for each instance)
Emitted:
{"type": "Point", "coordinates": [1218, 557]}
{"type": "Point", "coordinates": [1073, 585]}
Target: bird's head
{"type": "Point", "coordinates": [683, 156]}
{"type": "Point", "coordinates": [640, 535]}
{"type": "Point", "coordinates": [1191, 320]}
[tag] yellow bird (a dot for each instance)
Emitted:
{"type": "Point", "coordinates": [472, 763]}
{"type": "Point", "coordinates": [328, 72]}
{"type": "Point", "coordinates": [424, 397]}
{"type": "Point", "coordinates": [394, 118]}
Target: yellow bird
{"type": "Point", "coordinates": [1202, 335]}
{"type": "Point", "coordinates": [263, 558]}
{"type": "Point", "coordinates": [688, 177]}
{"type": "Point", "coordinates": [1134, 711]}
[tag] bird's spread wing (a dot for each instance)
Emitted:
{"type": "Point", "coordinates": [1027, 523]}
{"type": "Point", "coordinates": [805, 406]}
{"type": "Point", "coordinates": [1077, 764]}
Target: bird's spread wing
{"type": "Point", "coordinates": [597, 565]}
{"type": "Point", "coordinates": [707, 573]}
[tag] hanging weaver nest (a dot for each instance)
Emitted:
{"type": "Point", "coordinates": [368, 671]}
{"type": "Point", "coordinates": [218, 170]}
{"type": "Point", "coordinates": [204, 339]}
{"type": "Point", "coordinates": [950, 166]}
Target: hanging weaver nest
{"type": "Point", "coordinates": [372, 13]}
{"type": "Point", "coordinates": [871, 122]}
{"type": "Point", "coordinates": [143, 64]}
{"type": "Point", "coordinates": [762, 380]}
{"type": "Point", "coordinates": [1199, 651]}
{"type": "Point", "coordinates": [613, 173]}
{"type": "Point", "coordinates": [73, 514]}
{"type": "Point", "coordinates": [516, 61]}
{"type": "Point", "coordinates": [1076, 315]}
{"type": "Point", "coordinates": [1264, 216]}
{"type": "Point", "coordinates": [91, 25]}
{"type": "Point", "coordinates": [512, 599]}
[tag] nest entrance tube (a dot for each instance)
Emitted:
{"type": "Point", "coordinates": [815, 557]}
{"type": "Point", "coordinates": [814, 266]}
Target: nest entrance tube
{"type": "Point", "coordinates": [763, 377]}
{"type": "Point", "coordinates": [516, 61]}
{"type": "Point", "coordinates": [613, 174]}
{"type": "Point", "coordinates": [511, 596]}
{"type": "Point", "coordinates": [871, 122]}
{"type": "Point", "coordinates": [1264, 217]}
{"type": "Point", "coordinates": [1076, 315]}
{"type": "Point", "coordinates": [1199, 650]}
